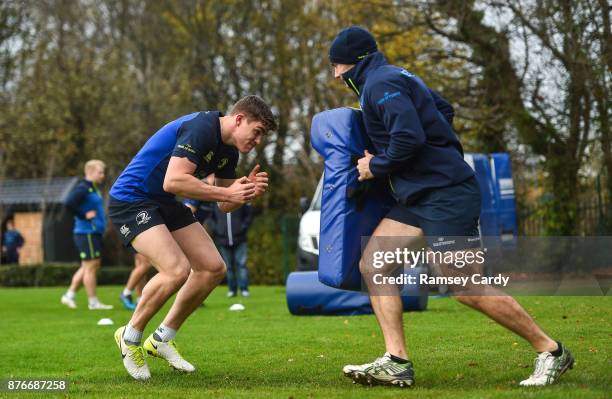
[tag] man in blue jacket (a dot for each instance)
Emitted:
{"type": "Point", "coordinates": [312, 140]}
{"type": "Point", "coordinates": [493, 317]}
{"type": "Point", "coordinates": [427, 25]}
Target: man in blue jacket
{"type": "Point", "coordinates": [418, 153]}
{"type": "Point", "coordinates": [86, 202]}
{"type": "Point", "coordinates": [230, 234]}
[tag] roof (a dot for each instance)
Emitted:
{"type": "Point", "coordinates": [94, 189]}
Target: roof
{"type": "Point", "coordinates": [36, 191]}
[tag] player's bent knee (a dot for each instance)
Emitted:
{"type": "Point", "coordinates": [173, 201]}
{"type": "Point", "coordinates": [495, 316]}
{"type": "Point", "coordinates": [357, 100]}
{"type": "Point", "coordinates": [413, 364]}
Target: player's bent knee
{"type": "Point", "coordinates": [178, 274]}
{"type": "Point", "coordinates": [362, 267]}
{"type": "Point", "coordinates": [182, 275]}
{"type": "Point", "coordinates": [177, 279]}
{"type": "Point", "coordinates": [218, 269]}
{"type": "Point", "coordinates": [368, 271]}
{"type": "Point", "coordinates": [365, 268]}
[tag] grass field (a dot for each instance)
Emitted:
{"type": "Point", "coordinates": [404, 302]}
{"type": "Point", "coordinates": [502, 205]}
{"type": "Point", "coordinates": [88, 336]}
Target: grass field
{"type": "Point", "coordinates": [264, 352]}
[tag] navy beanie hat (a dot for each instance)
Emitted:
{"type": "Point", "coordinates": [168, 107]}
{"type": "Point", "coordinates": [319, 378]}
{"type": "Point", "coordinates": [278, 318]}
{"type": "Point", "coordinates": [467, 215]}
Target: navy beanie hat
{"type": "Point", "coordinates": [351, 45]}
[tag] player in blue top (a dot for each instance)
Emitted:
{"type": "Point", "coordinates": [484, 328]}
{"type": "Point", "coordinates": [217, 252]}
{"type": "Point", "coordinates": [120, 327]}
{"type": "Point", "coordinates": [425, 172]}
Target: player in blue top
{"type": "Point", "coordinates": [12, 241]}
{"type": "Point", "coordinates": [85, 201]}
{"type": "Point", "coordinates": [438, 198]}
{"type": "Point", "coordinates": [150, 220]}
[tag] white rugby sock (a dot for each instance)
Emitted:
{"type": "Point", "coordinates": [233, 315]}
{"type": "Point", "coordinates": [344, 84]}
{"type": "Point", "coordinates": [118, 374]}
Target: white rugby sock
{"type": "Point", "coordinates": [132, 335]}
{"type": "Point", "coordinates": [165, 333]}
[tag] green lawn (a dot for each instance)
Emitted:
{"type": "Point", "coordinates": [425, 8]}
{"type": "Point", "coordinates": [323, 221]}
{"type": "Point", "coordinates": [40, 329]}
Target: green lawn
{"type": "Point", "coordinates": [265, 352]}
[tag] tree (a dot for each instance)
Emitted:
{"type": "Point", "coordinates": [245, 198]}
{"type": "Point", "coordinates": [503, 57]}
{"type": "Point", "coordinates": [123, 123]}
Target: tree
{"type": "Point", "coordinates": [549, 103]}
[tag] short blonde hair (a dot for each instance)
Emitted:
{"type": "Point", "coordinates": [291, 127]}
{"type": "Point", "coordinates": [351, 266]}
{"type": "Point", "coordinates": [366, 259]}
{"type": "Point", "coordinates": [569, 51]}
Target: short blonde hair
{"type": "Point", "coordinates": [92, 164]}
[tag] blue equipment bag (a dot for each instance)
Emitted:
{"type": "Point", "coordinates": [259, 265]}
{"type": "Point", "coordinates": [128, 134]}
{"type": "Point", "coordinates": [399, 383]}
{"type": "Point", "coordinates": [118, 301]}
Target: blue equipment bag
{"type": "Point", "coordinates": [307, 296]}
{"type": "Point", "coordinates": [349, 210]}
{"type": "Point", "coordinates": [498, 225]}
{"type": "Point", "coordinates": [501, 168]}
{"type": "Point", "coordinates": [481, 165]}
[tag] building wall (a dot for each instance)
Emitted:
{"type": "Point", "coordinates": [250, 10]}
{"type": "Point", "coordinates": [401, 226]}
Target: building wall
{"type": "Point", "coordinates": [30, 225]}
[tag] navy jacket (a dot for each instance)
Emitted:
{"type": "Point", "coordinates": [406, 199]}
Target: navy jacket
{"type": "Point", "coordinates": [85, 197]}
{"type": "Point", "coordinates": [410, 129]}
{"type": "Point", "coordinates": [12, 241]}
{"type": "Point", "coordinates": [231, 228]}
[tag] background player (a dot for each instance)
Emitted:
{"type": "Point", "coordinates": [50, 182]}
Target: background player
{"type": "Point", "coordinates": [136, 282]}
{"type": "Point", "coordinates": [86, 202]}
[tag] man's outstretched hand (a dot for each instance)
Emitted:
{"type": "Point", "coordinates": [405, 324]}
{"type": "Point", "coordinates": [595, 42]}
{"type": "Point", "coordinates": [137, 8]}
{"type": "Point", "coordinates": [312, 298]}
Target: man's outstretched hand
{"type": "Point", "coordinates": [260, 179]}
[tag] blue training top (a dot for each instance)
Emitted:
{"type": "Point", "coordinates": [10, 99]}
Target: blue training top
{"type": "Point", "coordinates": [12, 240]}
{"type": "Point", "coordinates": [410, 127]}
{"type": "Point", "coordinates": [196, 137]}
{"type": "Point", "coordinates": [83, 198]}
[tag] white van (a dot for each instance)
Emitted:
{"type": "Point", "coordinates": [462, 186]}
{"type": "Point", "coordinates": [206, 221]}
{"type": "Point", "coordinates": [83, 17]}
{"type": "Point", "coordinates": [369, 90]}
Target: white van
{"type": "Point", "coordinates": [308, 236]}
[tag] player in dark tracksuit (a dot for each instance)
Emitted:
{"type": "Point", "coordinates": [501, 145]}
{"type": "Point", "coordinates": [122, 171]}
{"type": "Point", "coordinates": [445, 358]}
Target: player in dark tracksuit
{"type": "Point", "coordinates": [418, 153]}
{"type": "Point", "coordinates": [85, 201]}
{"type": "Point", "coordinates": [230, 235]}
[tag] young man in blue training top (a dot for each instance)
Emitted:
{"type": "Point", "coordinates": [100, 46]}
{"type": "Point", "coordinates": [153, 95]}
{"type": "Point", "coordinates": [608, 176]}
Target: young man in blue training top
{"type": "Point", "coordinates": [149, 219]}
{"type": "Point", "coordinates": [418, 153]}
{"type": "Point", "coordinates": [86, 202]}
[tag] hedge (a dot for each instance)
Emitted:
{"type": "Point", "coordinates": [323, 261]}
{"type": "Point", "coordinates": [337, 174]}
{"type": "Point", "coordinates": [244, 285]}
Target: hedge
{"type": "Point", "coordinates": [266, 239]}
{"type": "Point", "coordinates": [56, 274]}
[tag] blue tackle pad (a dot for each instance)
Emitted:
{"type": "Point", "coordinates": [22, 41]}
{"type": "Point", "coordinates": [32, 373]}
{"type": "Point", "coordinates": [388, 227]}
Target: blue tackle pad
{"type": "Point", "coordinates": [350, 210]}
{"type": "Point", "coordinates": [307, 296]}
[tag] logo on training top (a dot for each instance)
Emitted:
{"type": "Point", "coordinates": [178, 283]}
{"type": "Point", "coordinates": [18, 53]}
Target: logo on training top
{"type": "Point", "coordinates": [124, 230]}
{"type": "Point", "coordinates": [406, 73]}
{"type": "Point", "coordinates": [186, 147]}
{"type": "Point", "coordinates": [387, 96]}
{"type": "Point", "coordinates": [222, 163]}
{"type": "Point", "coordinates": [208, 157]}
{"type": "Point", "coordinates": [143, 217]}
{"type": "Point", "coordinates": [443, 242]}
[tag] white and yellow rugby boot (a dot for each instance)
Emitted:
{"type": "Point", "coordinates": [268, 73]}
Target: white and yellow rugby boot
{"type": "Point", "coordinates": [133, 357]}
{"type": "Point", "coordinates": [169, 352]}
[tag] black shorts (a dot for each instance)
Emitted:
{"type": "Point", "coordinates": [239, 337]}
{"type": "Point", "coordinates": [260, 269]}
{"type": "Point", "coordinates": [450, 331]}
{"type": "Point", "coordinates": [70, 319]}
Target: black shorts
{"type": "Point", "coordinates": [132, 218]}
{"type": "Point", "coordinates": [448, 216]}
{"type": "Point", "coordinates": [88, 245]}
